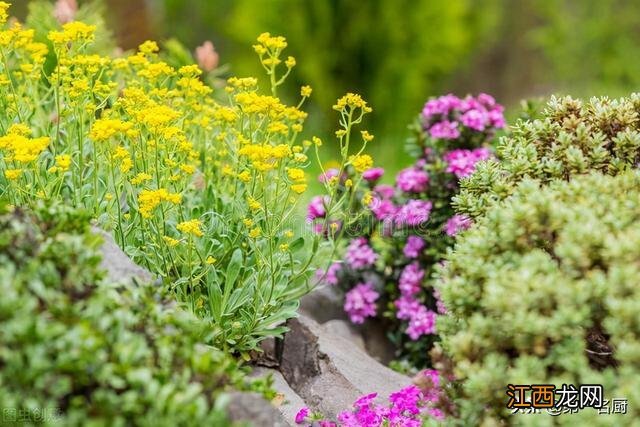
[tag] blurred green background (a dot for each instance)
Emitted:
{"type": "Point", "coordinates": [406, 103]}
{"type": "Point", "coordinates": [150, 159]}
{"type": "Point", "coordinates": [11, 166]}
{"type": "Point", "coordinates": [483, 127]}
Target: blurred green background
{"type": "Point", "coordinates": [398, 53]}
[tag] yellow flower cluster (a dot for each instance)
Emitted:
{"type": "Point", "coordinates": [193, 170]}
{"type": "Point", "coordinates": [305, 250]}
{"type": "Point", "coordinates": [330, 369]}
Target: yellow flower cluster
{"type": "Point", "coordinates": [148, 200]}
{"type": "Point", "coordinates": [353, 101]}
{"type": "Point", "coordinates": [299, 180]}
{"type": "Point", "coordinates": [4, 6]}
{"type": "Point", "coordinates": [361, 162]}
{"type": "Point", "coordinates": [63, 161]}
{"type": "Point", "coordinates": [105, 129]}
{"type": "Point", "coordinates": [268, 42]}
{"type": "Point", "coordinates": [192, 227]}
{"type": "Point", "coordinates": [20, 147]}
{"type": "Point", "coordinates": [264, 157]}
{"type": "Point", "coordinates": [73, 32]}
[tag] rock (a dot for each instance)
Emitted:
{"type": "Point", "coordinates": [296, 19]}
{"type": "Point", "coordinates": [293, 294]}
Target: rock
{"type": "Point", "coordinates": [329, 372]}
{"type": "Point", "coordinates": [344, 329]}
{"type": "Point", "coordinates": [254, 409]}
{"type": "Point", "coordinates": [376, 342]}
{"type": "Point", "coordinates": [119, 267]}
{"type": "Point", "coordinates": [324, 303]}
{"type": "Point", "coordinates": [288, 401]}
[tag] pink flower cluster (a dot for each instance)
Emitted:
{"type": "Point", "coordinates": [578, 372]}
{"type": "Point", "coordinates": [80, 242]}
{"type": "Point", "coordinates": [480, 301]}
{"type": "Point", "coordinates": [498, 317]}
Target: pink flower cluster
{"type": "Point", "coordinates": [359, 254]}
{"type": "Point", "coordinates": [422, 321]}
{"type": "Point", "coordinates": [412, 180]}
{"type": "Point", "coordinates": [360, 302]}
{"type": "Point", "coordinates": [448, 116]}
{"type": "Point", "coordinates": [462, 163]}
{"type": "Point", "coordinates": [406, 408]}
{"type": "Point", "coordinates": [456, 224]}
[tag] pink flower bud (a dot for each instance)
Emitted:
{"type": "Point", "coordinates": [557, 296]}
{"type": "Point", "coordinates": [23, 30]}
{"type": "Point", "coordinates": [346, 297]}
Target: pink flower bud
{"type": "Point", "coordinates": [207, 56]}
{"type": "Point", "coordinates": [65, 10]}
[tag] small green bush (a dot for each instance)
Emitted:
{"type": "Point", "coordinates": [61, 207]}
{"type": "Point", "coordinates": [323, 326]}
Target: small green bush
{"type": "Point", "coordinates": [571, 138]}
{"type": "Point", "coordinates": [539, 291]}
{"type": "Point", "coordinates": [76, 350]}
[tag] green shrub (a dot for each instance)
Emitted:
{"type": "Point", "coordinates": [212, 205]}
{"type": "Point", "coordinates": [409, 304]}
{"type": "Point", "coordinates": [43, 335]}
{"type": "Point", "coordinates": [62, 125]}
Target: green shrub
{"type": "Point", "coordinates": [76, 350]}
{"type": "Point", "coordinates": [544, 290]}
{"type": "Point", "coordinates": [571, 138]}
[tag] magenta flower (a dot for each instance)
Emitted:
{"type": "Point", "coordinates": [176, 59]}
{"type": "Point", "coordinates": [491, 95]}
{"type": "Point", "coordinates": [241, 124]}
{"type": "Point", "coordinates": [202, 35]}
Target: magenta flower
{"type": "Point", "coordinates": [412, 180]}
{"type": "Point", "coordinates": [373, 174]}
{"type": "Point", "coordinates": [432, 393]}
{"type": "Point", "coordinates": [302, 415]}
{"type": "Point", "coordinates": [441, 106]}
{"type": "Point", "coordinates": [385, 191]}
{"type": "Point", "coordinates": [330, 277]}
{"type": "Point", "coordinates": [475, 119]}
{"type": "Point", "coordinates": [439, 304]}
{"type": "Point", "coordinates": [445, 130]}
{"type": "Point", "coordinates": [457, 223]}
{"type": "Point", "coordinates": [316, 208]}
{"type": "Point", "coordinates": [414, 213]}
{"type": "Point", "coordinates": [359, 254]}
{"type": "Point", "coordinates": [411, 279]}
{"type": "Point", "coordinates": [382, 209]}
{"type": "Point", "coordinates": [406, 400]}
{"type": "Point", "coordinates": [462, 163]}
{"type": "Point", "coordinates": [406, 306]}
{"type": "Point", "coordinates": [360, 302]}
{"type": "Point", "coordinates": [423, 322]}
{"type": "Point", "coordinates": [413, 247]}
{"type": "Point", "coordinates": [328, 174]}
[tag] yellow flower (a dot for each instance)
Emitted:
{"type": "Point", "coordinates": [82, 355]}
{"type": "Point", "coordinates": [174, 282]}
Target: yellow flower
{"type": "Point", "coordinates": [170, 241]}
{"type": "Point", "coordinates": [211, 260]}
{"type": "Point", "coordinates": [317, 141]}
{"type": "Point", "coordinates": [148, 200]}
{"type": "Point", "coordinates": [299, 188]}
{"type": "Point", "coordinates": [248, 222]}
{"type": "Point", "coordinates": [305, 91]}
{"type": "Point", "coordinates": [148, 47]}
{"type": "Point", "coordinates": [244, 176]}
{"type": "Point", "coordinates": [254, 205]}
{"type": "Point", "coordinates": [367, 199]}
{"type": "Point", "coordinates": [284, 247]}
{"type": "Point", "coordinates": [348, 183]}
{"type": "Point", "coordinates": [4, 6]}
{"type": "Point", "coordinates": [104, 129]}
{"type": "Point", "coordinates": [290, 62]}
{"type": "Point", "coordinates": [288, 234]}
{"type": "Point", "coordinates": [108, 196]}
{"type": "Point", "coordinates": [353, 101]}
{"type": "Point", "coordinates": [255, 233]}
{"type": "Point", "coordinates": [12, 174]}
{"type": "Point", "coordinates": [140, 178]}
{"type": "Point", "coordinates": [362, 162]}
{"type": "Point", "coordinates": [366, 136]}
{"type": "Point", "coordinates": [295, 174]}
{"type": "Point", "coordinates": [191, 227]}
{"type": "Point", "coordinates": [72, 31]}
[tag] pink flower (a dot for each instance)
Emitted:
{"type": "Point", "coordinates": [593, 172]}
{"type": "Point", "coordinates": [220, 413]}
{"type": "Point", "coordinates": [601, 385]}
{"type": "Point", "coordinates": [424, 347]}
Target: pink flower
{"type": "Point", "coordinates": [413, 247]}
{"type": "Point", "coordinates": [65, 11]}
{"type": "Point", "coordinates": [302, 415]}
{"type": "Point", "coordinates": [316, 208]}
{"type": "Point", "coordinates": [406, 306]}
{"type": "Point", "coordinates": [385, 191]}
{"type": "Point", "coordinates": [365, 400]}
{"type": "Point", "coordinates": [382, 209]}
{"type": "Point", "coordinates": [440, 106]}
{"type": "Point", "coordinates": [414, 213]}
{"type": "Point", "coordinates": [411, 279]}
{"type": "Point", "coordinates": [327, 175]}
{"type": "Point", "coordinates": [207, 56]}
{"type": "Point", "coordinates": [445, 130]}
{"type": "Point", "coordinates": [439, 303]}
{"type": "Point", "coordinates": [330, 277]}
{"type": "Point", "coordinates": [462, 163]}
{"type": "Point", "coordinates": [373, 174]}
{"type": "Point", "coordinates": [412, 180]}
{"type": "Point", "coordinates": [325, 423]}
{"type": "Point", "coordinates": [457, 223]}
{"type": "Point", "coordinates": [475, 119]}
{"type": "Point", "coordinates": [423, 322]}
{"type": "Point", "coordinates": [406, 400]}
{"type": "Point", "coordinates": [432, 393]}
{"type": "Point", "coordinates": [360, 302]}
{"type": "Point", "coordinates": [359, 254]}
{"type": "Point", "coordinates": [436, 413]}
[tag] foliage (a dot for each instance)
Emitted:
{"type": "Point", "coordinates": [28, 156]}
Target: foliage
{"type": "Point", "coordinates": [570, 138]}
{"type": "Point", "coordinates": [370, 46]}
{"type": "Point", "coordinates": [199, 191]}
{"type": "Point", "coordinates": [399, 234]}
{"type": "Point", "coordinates": [77, 349]}
{"type": "Point", "coordinates": [543, 290]}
